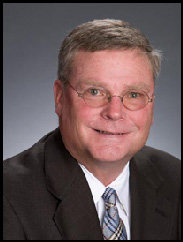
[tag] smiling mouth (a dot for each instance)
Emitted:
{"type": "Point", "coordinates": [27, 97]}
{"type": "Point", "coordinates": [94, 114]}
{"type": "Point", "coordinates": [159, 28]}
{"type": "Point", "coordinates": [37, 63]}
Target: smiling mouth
{"type": "Point", "coordinates": [108, 133]}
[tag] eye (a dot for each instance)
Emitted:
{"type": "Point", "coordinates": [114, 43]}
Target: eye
{"type": "Point", "coordinates": [134, 94]}
{"type": "Point", "coordinates": [94, 92]}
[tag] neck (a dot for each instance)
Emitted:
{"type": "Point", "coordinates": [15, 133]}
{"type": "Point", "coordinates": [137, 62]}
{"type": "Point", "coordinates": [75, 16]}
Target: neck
{"type": "Point", "coordinates": [105, 172]}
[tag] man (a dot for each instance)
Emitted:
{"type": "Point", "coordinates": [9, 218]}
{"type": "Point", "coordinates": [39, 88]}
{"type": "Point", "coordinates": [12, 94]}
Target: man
{"type": "Point", "coordinates": [93, 178]}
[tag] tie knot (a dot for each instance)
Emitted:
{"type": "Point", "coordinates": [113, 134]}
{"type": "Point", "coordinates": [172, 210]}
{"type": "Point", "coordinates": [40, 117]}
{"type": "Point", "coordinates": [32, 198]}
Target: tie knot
{"type": "Point", "coordinates": [109, 196]}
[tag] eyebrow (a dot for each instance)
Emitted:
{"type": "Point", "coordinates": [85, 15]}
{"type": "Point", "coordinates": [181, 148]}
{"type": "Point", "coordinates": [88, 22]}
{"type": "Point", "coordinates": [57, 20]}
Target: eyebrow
{"type": "Point", "coordinates": [139, 85]}
{"type": "Point", "coordinates": [93, 83]}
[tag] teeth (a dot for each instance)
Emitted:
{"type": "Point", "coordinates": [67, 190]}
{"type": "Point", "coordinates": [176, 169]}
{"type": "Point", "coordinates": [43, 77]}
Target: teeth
{"type": "Point", "coordinates": [104, 132]}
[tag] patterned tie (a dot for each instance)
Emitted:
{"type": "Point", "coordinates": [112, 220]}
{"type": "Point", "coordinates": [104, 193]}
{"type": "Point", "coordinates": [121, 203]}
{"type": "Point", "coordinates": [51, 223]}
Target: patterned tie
{"type": "Point", "coordinates": [113, 227]}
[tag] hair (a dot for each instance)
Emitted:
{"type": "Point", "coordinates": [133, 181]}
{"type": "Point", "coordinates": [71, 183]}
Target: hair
{"type": "Point", "coordinates": [103, 35]}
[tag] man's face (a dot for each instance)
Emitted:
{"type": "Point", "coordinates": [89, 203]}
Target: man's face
{"type": "Point", "coordinates": [126, 131]}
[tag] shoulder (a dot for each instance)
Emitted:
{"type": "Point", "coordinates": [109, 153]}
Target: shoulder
{"type": "Point", "coordinates": [23, 163]}
{"type": "Point", "coordinates": [161, 158]}
{"type": "Point", "coordinates": [162, 163]}
{"type": "Point", "coordinates": [26, 197]}
{"type": "Point", "coordinates": [25, 170]}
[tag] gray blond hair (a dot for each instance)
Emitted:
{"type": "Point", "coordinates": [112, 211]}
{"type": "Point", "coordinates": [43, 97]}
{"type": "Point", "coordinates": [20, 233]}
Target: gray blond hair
{"type": "Point", "coordinates": [102, 35]}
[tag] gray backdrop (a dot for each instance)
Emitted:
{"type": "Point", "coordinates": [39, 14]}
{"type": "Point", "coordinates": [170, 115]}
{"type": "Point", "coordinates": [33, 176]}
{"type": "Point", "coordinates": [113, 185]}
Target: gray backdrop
{"type": "Point", "coordinates": [33, 33]}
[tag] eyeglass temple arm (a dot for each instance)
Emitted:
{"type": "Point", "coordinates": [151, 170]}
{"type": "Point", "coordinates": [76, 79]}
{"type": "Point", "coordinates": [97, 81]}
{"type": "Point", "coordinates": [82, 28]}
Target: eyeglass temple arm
{"type": "Point", "coordinates": [151, 99]}
{"type": "Point", "coordinates": [79, 94]}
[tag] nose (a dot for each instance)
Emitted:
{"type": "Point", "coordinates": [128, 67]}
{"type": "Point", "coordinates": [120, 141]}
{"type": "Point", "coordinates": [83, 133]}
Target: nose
{"type": "Point", "coordinates": [114, 110]}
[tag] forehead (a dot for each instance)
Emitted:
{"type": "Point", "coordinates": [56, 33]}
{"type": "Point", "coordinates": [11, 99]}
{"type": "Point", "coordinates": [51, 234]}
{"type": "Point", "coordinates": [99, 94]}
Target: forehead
{"type": "Point", "coordinates": [109, 67]}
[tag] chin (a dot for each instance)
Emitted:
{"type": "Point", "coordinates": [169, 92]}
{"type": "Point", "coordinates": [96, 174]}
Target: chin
{"type": "Point", "coordinates": [110, 154]}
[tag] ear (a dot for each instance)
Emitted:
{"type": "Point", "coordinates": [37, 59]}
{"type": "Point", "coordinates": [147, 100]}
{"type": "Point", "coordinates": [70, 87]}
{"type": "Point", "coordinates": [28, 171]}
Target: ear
{"type": "Point", "coordinates": [152, 120]}
{"type": "Point", "coordinates": [58, 91]}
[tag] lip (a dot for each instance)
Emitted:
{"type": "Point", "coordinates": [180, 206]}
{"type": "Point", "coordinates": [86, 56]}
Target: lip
{"type": "Point", "coordinates": [109, 133]}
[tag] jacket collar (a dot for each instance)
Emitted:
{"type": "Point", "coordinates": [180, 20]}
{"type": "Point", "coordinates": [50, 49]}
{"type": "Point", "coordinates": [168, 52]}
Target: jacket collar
{"type": "Point", "coordinates": [142, 164]}
{"type": "Point", "coordinates": [60, 168]}
{"type": "Point", "coordinates": [75, 216]}
{"type": "Point", "coordinates": [149, 208]}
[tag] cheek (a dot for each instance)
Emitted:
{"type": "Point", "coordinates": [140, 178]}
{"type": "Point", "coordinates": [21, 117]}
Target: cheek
{"type": "Point", "coordinates": [67, 115]}
{"type": "Point", "coordinates": [86, 115]}
{"type": "Point", "coordinates": [84, 119]}
{"type": "Point", "coordinates": [76, 116]}
{"type": "Point", "coordinates": [144, 120]}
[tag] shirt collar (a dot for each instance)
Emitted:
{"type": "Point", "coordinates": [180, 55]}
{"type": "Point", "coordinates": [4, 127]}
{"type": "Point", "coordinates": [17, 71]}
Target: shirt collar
{"type": "Point", "coordinates": [120, 184]}
{"type": "Point", "coordinates": [97, 188]}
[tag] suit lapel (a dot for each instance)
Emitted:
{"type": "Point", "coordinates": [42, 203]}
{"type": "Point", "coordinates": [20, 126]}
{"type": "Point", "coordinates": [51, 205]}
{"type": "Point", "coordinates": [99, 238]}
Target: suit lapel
{"type": "Point", "coordinates": [75, 216]}
{"type": "Point", "coordinates": [149, 209]}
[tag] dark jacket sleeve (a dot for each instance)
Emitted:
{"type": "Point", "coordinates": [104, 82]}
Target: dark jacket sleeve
{"type": "Point", "coordinates": [11, 223]}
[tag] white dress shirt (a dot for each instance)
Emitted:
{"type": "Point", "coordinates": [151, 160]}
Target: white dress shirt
{"type": "Point", "coordinates": [121, 185]}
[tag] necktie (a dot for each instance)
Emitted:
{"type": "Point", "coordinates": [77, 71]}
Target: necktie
{"type": "Point", "coordinates": [113, 227]}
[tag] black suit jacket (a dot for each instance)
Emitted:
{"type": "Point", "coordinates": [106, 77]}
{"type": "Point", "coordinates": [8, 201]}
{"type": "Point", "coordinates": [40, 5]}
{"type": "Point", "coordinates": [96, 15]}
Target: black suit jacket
{"type": "Point", "coordinates": [46, 195]}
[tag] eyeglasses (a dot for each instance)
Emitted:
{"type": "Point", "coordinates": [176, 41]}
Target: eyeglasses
{"type": "Point", "coordinates": [133, 99]}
